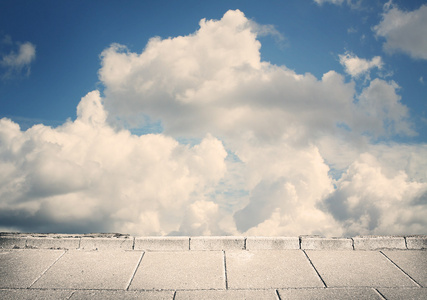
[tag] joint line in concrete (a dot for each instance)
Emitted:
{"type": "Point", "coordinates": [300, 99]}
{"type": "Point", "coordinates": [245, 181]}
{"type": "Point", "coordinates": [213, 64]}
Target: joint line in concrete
{"type": "Point", "coordinates": [225, 270]}
{"type": "Point", "coordinates": [134, 272]}
{"type": "Point", "coordinates": [244, 243]}
{"type": "Point", "coordinates": [278, 295]}
{"type": "Point", "coordinates": [406, 243]}
{"type": "Point", "coordinates": [71, 295]}
{"type": "Point", "coordinates": [174, 295]}
{"type": "Point", "coordinates": [379, 293]}
{"type": "Point", "coordinates": [133, 244]}
{"type": "Point", "coordinates": [413, 280]}
{"type": "Point", "coordinates": [44, 272]}
{"type": "Point", "coordinates": [317, 272]}
{"type": "Point", "coordinates": [352, 243]}
{"type": "Point", "coordinates": [189, 243]}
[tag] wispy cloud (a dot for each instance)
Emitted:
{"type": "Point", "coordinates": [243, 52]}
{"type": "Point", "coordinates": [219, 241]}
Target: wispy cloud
{"type": "Point", "coordinates": [17, 61]}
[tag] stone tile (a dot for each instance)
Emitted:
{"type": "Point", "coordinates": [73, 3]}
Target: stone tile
{"type": "Point", "coordinates": [180, 270]}
{"type": "Point", "coordinates": [20, 268]}
{"type": "Point", "coordinates": [91, 270]}
{"type": "Point", "coordinates": [10, 242]}
{"type": "Point", "coordinates": [272, 243]}
{"type": "Point", "coordinates": [379, 242]}
{"type": "Point", "coordinates": [404, 293]}
{"type": "Point", "coordinates": [227, 295]}
{"type": "Point", "coordinates": [88, 243]}
{"type": "Point", "coordinates": [357, 269]}
{"type": "Point", "coordinates": [320, 243]}
{"type": "Point", "coordinates": [413, 262]}
{"type": "Point", "coordinates": [269, 269]}
{"type": "Point", "coordinates": [217, 243]}
{"type": "Point", "coordinates": [329, 293]}
{"type": "Point", "coordinates": [161, 243]}
{"type": "Point", "coordinates": [53, 243]}
{"type": "Point", "coordinates": [30, 294]}
{"type": "Point", "coordinates": [113, 295]}
{"type": "Point", "coordinates": [416, 242]}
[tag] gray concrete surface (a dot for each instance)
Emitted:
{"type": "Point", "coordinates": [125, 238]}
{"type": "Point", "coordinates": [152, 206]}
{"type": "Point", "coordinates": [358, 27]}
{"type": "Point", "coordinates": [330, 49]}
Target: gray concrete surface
{"type": "Point", "coordinates": [115, 266]}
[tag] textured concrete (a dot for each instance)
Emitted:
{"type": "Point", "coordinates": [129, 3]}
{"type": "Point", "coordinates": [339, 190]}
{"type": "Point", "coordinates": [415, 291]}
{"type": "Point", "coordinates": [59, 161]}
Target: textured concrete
{"type": "Point", "coordinates": [180, 270]}
{"type": "Point", "coordinates": [20, 268]}
{"type": "Point", "coordinates": [98, 243]}
{"type": "Point", "coordinates": [416, 242]}
{"type": "Point", "coordinates": [217, 243]}
{"type": "Point", "coordinates": [319, 243]}
{"type": "Point", "coordinates": [52, 243]}
{"type": "Point", "coordinates": [227, 295]}
{"type": "Point", "coordinates": [412, 262]}
{"type": "Point", "coordinates": [331, 293]}
{"type": "Point", "coordinates": [401, 293]}
{"type": "Point", "coordinates": [113, 295]}
{"type": "Point", "coordinates": [91, 270]}
{"type": "Point", "coordinates": [357, 269]}
{"type": "Point", "coordinates": [379, 242]}
{"type": "Point", "coordinates": [272, 243]}
{"type": "Point", "coordinates": [31, 294]}
{"type": "Point", "coordinates": [269, 269]}
{"type": "Point", "coordinates": [158, 243]}
{"type": "Point", "coordinates": [10, 242]}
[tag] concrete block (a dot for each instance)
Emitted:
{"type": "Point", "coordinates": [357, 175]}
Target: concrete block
{"type": "Point", "coordinates": [53, 243]}
{"type": "Point", "coordinates": [20, 268]}
{"type": "Point", "coordinates": [378, 242]}
{"type": "Point", "coordinates": [403, 293]}
{"type": "Point", "coordinates": [111, 270]}
{"type": "Point", "coordinates": [10, 242]}
{"type": "Point", "coordinates": [272, 243]}
{"type": "Point", "coordinates": [27, 294]}
{"type": "Point", "coordinates": [87, 243]}
{"type": "Point", "coordinates": [416, 242]}
{"type": "Point", "coordinates": [227, 295]}
{"type": "Point", "coordinates": [180, 270]}
{"type": "Point", "coordinates": [270, 269]}
{"type": "Point", "coordinates": [413, 262]}
{"type": "Point", "coordinates": [330, 293]}
{"type": "Point", "coordinates": [319, 243]}
{"type": "Point", "coordinates": [217, 243]}
{"type": "Point", "coordinates": [113, 295]}
{"type": "Point", "coordinates": [357, 269]}
{"type": "Point", "coordinates": [162, 243]}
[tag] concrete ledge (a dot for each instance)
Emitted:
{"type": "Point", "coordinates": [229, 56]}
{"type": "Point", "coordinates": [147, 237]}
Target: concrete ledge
{"type": "Point", "coordinates": [52, 243]}
{"type": "Point", "coordinates": [271, 243]}
{"type": "Point", "coordinates": [379, 242]}
{"type": "Point", "coordinates": [217, 243]}
{"type": "Point", "coordinates": [418, 242]}
{"type": "Point", "coordinates": [10, 242]}
{"type": "Point", "coordinates": [320, 243]}
{"type": "Point", "coordinates": [159, 243]}
{"type": "Point", "coordinates": [96, 243]}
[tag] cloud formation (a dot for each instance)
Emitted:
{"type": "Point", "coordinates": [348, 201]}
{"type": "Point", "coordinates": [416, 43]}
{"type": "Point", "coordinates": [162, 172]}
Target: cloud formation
{"type": "Point", "coordinates": [356, 67]}
{"type": "Point", "coordinates": [404, 31]}
{"type": "Point", "coordinates": [271, 152]}
{"type": "Point", "coordinates": [16, 63]}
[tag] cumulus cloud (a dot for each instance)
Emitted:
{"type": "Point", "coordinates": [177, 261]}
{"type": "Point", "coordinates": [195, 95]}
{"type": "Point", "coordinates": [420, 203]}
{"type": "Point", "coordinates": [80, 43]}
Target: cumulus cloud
{"type": "Point", "coordinates": [268, 153]}
{"type": "Point", "coordinates": [15, 63]}
{"type": "Point", "coordinates": [356, 67]}
{"type": "Point", "coordinates": [404, 31]}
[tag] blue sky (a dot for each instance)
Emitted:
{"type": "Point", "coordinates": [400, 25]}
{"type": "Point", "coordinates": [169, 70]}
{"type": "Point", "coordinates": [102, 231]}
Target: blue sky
{"type": "Point", "coordinates": [324, 87]}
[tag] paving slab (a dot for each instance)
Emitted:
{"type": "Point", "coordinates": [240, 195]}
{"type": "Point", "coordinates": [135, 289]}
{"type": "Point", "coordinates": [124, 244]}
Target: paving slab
{"type": "Point", "coordinates": [52, 243]}
{"type": "Point", "coordinates": [320, 243]}
{"type": "Point", "coordinates": [79, 269]}
{"type": "Point", "coordinates": [412, 262]}
{"type": "Point", "coordinates": [404, 293]}
{"type": "Point", "coordinates": [10, 242]}
{"type": "Point", "coordinates": [227, 295]}
{"type": "Point", "coordinates": [379, 242]}
{"type": "Point", "coordinates": [272, 243]}
{"type": "Point", "coordinates": [267, 269]}
{"type": "Point", "coordinates": [329, 293]}
{"type": "Point", "coordinates": [20, 268]}
{"type": "Point", "coordinates": [180, 270]}
{"type": "Point", "coordinates": [101, 243]}
{"type": "Point", "coordinates": [159, 243]}
{"type": "Point", "coordinates": [217, 243]}
{"type": "Point", "coordinates": [30, 294]}
{"type": "Point", "coordinates": [416, 242]}
{"type": "Point", "coordinates": [357, 269]}
{"type": "Point", "coordinates": [113, 295]}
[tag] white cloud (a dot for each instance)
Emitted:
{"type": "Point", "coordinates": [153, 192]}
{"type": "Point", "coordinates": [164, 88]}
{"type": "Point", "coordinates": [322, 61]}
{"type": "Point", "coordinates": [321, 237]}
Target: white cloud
{"type": "Point", "coordinates": [356, 66]}
{"type": "Point", "coordinates": [16, 63]}
{"type": "Point", "coordinates": [268, 149]}
{"type": "Point", "coordinates": [404, 31]}
{"type": "Point", "coordinates": [320, 2]}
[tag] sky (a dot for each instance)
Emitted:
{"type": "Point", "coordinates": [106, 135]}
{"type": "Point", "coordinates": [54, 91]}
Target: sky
{"type": "Point", "coordinates": [214, 117]}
